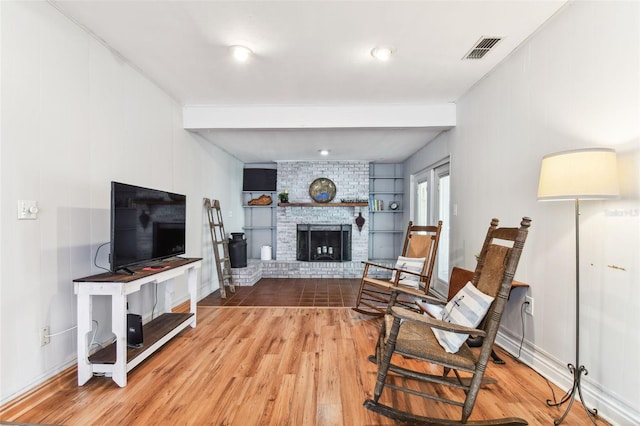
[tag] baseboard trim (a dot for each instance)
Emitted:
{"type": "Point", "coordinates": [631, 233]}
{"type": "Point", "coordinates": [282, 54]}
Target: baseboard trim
{"type": "Point", "coordinates": [611, 407]}
{"type": "Point", "coordinates": [35, 388]}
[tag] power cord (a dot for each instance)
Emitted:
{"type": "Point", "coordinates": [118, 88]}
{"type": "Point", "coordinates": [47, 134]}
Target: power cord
{"type": "Point", "coordinates": [522, 307]}
{"type": "Point", "coordinates": [93, 337]}
{"type": "Point", "coordinates": [60, 332]}
{"type": "Point", "coordinates": [95, 258]}
{"type": "Point", "coordinates": [155, 301]}
{"type": "Point", "coordinates": [517, 359]}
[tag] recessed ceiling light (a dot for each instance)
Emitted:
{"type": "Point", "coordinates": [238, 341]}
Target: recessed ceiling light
{"type": "Point", "coordinates": [324, 152]}
{"type": "Point", "coordinates": [382, 53]}
{"type": "Point", "coordinates": [240, 53]}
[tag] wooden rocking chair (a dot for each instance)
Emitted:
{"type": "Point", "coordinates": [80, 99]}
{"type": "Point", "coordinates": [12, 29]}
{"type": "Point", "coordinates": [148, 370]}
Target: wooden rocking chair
{"type": "Point", "coordinates": [374, 293]}
{"type": "Point", "coordinates": [412, 335]}
{"type": "Point", "coordinates": [433, 306]}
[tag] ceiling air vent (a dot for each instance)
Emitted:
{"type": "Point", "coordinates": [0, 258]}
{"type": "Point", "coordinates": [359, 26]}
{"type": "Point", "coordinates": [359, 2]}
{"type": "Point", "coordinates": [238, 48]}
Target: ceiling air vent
{"type": "Point", "coordinates": [482, 47]}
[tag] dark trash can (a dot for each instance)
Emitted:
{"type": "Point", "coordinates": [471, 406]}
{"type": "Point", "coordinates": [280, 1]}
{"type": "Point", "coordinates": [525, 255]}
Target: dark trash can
{"type": "Point", "coordinates": [238, 250]}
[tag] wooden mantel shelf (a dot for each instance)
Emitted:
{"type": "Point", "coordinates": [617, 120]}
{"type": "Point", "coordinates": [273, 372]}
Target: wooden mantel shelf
{"type": "Point", "coordinates": [323, 204]}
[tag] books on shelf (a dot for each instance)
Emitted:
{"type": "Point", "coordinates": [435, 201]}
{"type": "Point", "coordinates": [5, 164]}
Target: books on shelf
{"type": "Point", "coordinates": [375, 204]}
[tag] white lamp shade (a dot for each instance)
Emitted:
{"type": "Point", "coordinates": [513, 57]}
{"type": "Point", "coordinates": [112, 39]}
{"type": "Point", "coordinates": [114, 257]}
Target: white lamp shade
{"type": "Point", "coordinates": [584, 174]}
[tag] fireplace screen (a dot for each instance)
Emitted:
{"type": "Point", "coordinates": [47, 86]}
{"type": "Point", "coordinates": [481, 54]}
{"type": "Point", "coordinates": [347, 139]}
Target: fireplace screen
{"type": "Point", "coordinates": [324, 243]}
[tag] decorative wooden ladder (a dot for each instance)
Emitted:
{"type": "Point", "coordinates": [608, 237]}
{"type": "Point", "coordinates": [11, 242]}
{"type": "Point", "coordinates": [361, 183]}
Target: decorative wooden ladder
{"type": "Point", "coordinates": [219, 241]}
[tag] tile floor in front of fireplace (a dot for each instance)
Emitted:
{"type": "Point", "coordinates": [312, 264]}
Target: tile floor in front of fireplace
{"type": "Point", "coordinates": [316, 292]}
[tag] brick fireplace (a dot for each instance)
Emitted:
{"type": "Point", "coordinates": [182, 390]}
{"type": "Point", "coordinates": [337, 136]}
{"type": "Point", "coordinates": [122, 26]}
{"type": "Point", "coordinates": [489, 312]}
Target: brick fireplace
{"type": "Point", "coordinates": [352, 182]}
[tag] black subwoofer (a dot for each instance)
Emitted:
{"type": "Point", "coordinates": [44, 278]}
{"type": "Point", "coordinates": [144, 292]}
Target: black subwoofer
{"type": "Point", "coordinates": [134, 331]}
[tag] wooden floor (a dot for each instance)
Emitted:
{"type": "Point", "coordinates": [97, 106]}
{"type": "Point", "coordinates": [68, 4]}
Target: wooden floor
{"type": "Point", "coordinates": [269, 366]}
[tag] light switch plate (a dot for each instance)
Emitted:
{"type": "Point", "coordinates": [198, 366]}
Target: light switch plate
{"type": "Point", "coordinates": [27, 209]}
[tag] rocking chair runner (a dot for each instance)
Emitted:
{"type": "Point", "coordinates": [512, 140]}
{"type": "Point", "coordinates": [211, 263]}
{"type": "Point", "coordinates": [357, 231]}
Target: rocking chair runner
{"type": "Point", "coordinates": [374, 293]}
{"type": "Point", "coordinates": [411, 335]}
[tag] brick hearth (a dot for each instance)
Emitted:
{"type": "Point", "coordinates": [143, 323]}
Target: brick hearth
{"type": "Point", "coordinates": [257, 269]}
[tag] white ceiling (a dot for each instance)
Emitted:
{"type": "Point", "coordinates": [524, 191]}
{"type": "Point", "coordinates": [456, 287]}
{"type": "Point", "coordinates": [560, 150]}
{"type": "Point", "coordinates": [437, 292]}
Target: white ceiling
{"type": "Point", "coordinates": [309, 54]}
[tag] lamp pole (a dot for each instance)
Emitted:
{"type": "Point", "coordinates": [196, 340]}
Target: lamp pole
{"type": "Point", "coordinates": [577, 370]}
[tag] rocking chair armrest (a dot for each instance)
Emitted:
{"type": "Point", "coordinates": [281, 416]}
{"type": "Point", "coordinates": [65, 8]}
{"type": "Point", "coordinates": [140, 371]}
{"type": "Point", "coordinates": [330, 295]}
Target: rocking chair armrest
{"type": "Point", "coordinates": [404, 271]}
{"type": "Point", "coordinates": [377, 265]}
{"type": "Point", "coordinates": [422, 304]}
{"type": "Point", "coordinates": [399, 288]}
{"type": "Point", "coordinates": [432, 300]}
{"type": "Point", "coordinates": [408, 315]}
{"type": "Point", "coordinates": [394, 287]}
{"type": "Point", "coordinates": [393, 268]}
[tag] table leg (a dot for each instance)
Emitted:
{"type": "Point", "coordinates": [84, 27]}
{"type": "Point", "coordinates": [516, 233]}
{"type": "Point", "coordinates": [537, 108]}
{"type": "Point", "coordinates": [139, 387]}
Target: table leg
{"type": "Point", "coordinates": [191, 285]}
{"type": "Point", "coordinates": [119, 328]}
{"type": "Point", "coordinates": [168, 296]}
{"type": "Point", "coordinates": [85, 368]}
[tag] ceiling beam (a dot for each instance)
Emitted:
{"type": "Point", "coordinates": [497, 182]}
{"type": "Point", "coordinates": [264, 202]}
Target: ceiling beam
{"type": "Point", "coordinates": [300, 117]}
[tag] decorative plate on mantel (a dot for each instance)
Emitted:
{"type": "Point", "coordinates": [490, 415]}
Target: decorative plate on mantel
{"type": "Point", "coordinates": [322, 190]}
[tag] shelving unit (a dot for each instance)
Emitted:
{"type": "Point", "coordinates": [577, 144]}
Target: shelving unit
{"type": "Point", "coordinates": [323, 204]}
{"type": "Point", "coordinates": [386, 226]}
{"type": "Point", "coordinates": [117, 360]}
{"type": "Point", "coordinates": [260, 223]}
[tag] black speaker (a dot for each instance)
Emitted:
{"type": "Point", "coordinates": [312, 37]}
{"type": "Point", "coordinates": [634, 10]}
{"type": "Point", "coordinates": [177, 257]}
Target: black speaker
{"type": "Point", "coordinates": [134, 330]}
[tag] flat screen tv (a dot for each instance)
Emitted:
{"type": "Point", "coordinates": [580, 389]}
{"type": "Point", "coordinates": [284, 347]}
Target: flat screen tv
{"type": "Point", "coordinates": [146, 225]}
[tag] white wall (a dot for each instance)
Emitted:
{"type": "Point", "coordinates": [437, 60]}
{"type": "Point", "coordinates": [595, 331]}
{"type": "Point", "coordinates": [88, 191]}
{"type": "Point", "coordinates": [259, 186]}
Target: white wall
{"type": "Point", "coordinates": [575, 84]}
{"type": "Point", "coordinates": [74, 117]}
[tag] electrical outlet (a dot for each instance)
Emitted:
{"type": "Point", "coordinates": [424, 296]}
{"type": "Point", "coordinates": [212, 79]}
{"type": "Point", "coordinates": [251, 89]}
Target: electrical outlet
{"type": "Point", "coordinates": [529, 305]}
{"type": "Point", "coordinates": [45, 339]}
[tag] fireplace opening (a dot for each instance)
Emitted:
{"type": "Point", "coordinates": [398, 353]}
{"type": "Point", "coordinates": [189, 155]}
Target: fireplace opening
{"type": "Point", "coordinates": [323, 243]}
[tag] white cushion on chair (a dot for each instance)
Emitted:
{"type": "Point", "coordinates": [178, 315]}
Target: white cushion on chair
{"type": "Point", "coordinates": [468, 307]}
{"type": "Point", "coordinates": [413, 264]}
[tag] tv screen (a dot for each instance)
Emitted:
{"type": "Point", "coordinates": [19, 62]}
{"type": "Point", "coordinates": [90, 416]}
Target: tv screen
{"type": "Point", "coordinates": [259, 179]}
{"type": "Point", "coordinates": [146, 225]}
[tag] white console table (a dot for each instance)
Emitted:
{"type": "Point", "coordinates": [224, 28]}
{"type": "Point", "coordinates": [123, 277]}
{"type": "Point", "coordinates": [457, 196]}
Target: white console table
{"type": "Point", "coordinates": [116, 360]}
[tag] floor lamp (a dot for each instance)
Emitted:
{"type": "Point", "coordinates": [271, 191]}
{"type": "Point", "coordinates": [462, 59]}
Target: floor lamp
{"type": "Point", "coordinates": [584, 174]}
